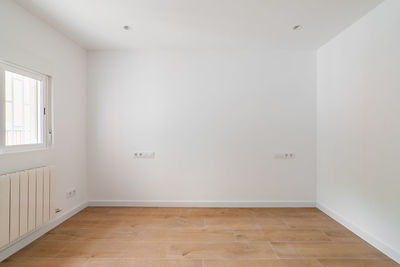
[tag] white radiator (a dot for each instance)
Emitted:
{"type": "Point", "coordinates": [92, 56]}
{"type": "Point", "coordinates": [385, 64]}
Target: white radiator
{"type": "Point", "coordinates": [27, 201]}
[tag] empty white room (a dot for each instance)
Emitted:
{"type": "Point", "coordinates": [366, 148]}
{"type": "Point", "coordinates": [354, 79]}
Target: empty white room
{"type": "Point", "coordinates": [200, 133]}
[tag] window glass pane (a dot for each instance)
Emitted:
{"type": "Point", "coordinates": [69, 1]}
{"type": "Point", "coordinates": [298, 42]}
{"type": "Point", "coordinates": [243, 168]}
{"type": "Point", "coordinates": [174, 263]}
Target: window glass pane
{"type": "Point", "coordinates": [22, 110]}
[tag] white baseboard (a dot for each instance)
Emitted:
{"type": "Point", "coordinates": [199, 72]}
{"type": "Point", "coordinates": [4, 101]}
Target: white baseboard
{"type": "Point", "coordinates": [216, 204]}
{"type": "Point", "coordinates": [29, 238]}
{"type": "Point", "coordinates": [378, 244]}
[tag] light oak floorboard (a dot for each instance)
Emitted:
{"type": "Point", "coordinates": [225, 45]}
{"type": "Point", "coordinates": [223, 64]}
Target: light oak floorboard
{"type": "Point", "coordinates": [263, 263]}
{"type": "Point", "coordinates": [199, 237]}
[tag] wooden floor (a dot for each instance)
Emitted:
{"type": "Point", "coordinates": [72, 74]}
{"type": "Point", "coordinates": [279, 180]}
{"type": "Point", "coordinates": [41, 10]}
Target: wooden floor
{"type": "Point", "coordinates": [199, 237]}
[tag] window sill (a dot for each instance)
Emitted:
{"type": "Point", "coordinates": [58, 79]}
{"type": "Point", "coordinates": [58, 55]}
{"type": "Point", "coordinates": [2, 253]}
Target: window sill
{"type": "Point", "coordinates": [26, 150]}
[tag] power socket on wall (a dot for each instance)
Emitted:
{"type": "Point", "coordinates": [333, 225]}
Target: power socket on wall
{"type": "Point", "coordinates": [70, 193]}
{"type": "Point", "coordinates": [286, 155]}
{"type": "Point", "coordinates": [144, 155]}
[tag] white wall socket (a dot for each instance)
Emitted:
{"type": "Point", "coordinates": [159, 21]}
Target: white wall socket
{"type": "Point", "coordinates": [144, 155]}
{"type": "Point", "coordinates": [286, 155]}
{"type": "Point", "coordinates": [71, 193]}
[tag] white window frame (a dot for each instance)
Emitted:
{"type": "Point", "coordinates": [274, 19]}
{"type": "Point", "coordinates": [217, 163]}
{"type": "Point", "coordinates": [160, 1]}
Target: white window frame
{"type": "Point", "coordinates": [46, 114]}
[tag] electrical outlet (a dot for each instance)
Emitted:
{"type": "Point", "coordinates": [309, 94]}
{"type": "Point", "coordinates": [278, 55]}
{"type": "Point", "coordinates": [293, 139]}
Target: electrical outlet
{"type": "Point", "coordinates": [286, 155]}
{"type": "Point", "coordinates": [144, 155]}
{"type": "Point", "coordinates": [71, 193]}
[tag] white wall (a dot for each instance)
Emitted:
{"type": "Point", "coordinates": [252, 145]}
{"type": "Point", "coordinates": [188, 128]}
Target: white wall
{"type": "Point", "coordinates": [215, 118]}
{"type": "Point", "coordinates": [359, 127]}
{"type": "Point", "coordinates": [26, 41]}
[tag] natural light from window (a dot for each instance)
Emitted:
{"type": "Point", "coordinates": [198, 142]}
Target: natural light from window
{"type": "Point", "coordinates": [23, 117]}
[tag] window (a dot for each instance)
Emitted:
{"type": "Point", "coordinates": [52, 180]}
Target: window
{"type": "Point", "coordinates": [24, 109]}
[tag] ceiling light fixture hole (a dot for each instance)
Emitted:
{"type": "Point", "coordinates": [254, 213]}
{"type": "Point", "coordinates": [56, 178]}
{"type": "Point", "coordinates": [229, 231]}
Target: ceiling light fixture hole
{"type": "Point", "coordinates": [297, 27]}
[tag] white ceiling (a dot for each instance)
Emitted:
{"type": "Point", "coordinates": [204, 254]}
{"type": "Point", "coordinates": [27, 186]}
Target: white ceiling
{"type": "Point", "coordinates": [98, 24]}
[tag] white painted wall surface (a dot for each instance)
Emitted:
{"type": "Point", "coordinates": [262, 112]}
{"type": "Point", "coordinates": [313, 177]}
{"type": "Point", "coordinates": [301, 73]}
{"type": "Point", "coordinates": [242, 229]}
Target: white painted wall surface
{"type": "Point", "coordinates": [359, 126]}
{"type": "Point", "coordinates": [215, 118]}
{"type": "Point", "coordinates": [26, 41]}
